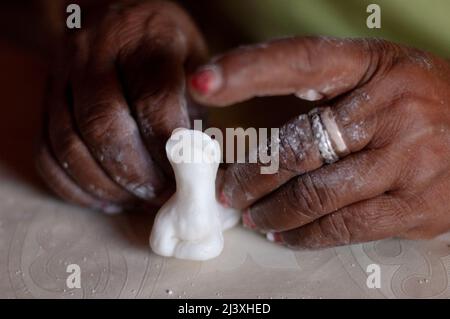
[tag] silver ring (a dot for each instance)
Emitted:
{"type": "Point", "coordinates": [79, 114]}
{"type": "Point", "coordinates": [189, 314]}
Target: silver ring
{"type": "Point", "coordinates": [327, 135]}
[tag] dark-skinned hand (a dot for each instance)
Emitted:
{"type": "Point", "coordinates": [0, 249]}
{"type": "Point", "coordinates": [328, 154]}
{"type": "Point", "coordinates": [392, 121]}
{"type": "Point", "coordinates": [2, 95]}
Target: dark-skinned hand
{"type": "Point", "coordinates": [392, 105]}
{"type": "Point", "coordinates": [117, 92]}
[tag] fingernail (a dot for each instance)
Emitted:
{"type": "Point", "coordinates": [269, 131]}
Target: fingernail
{"type": "Point", "coordinates": [309, 95]}
{"type": "Point", "coordinates": [206, 80]}
{"type": "Point", "coordinates": [144, 191]}
{"type": "Point", "coordinates": [247, 220]}
{"type": "Point", "coordinates": [274, 238]}
{"type": "Point", "coordinates": [111, 209]}
{"type": "Point", "coordinates": [224, 200]}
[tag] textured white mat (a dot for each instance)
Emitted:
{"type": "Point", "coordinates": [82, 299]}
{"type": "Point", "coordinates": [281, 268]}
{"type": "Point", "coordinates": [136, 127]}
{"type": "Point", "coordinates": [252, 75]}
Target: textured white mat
{"type": "Point", "coordinates": [40, 236]}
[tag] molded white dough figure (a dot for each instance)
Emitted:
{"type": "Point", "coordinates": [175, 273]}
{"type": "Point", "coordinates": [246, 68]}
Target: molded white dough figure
{"type": "Point", "coordinates": [190, 224]}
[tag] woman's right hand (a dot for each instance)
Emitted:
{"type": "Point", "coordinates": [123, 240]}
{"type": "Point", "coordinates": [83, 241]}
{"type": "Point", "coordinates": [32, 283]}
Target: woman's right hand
{"type": "Point", "coordinates": [116, 94]}
{"type": "Point", "coordinates": [372, 162]}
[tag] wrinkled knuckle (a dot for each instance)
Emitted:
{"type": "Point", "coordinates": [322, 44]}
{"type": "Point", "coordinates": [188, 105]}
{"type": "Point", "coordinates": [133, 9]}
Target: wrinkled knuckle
{"type": "Point", "coordinates": [383, 52]}
{"type": "Point", "coordinates": [154, 121]}
{"type": "Point", "coordinates": [381, 46]}
{"type": "Point", "coordinates": [240, 178]}
{"type": "Point", "coordinates": [296, 144]}
{"type": "Point", "coordinates": [311, 196]}
{"type": "Point", "coordinates": [337, 228]}
{"type": "Point", "coordinates": [157, 19]}
{"type": "Point", "coordinates": [397, 209]}
{"type": "Point", "coordinates": [381, 56]}
{"type": "Point", "coordinates": [99, 123]}
{"type": "Point", "coordinates": [67, 147]}
{"type": "Point", "coordinates": [127, 23]}
{"type": "Point", "coordinates": [411, 210]}
{"type": "Point", "coordinates": [148, 102]}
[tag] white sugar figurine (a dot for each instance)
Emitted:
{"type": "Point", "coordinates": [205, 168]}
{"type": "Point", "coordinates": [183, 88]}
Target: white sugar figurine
{"type": "Point", "coordinates": [190, 224]}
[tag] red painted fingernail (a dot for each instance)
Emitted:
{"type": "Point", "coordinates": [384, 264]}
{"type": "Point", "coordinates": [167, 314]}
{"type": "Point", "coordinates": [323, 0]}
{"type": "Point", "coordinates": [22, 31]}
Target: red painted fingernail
{"type": "Point", "coordinates": [274, 238]}
{"type": "Point", "coordinates": [207, 80]}
{"type": "Point", "coordinates": [247, 220]}
{"type": "Point", "coordinates": [224, 200]}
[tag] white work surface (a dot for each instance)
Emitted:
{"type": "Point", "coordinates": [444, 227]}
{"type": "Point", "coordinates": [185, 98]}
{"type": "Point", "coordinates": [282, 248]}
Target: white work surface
{"type": "Point", "coordinates": [40, 236]}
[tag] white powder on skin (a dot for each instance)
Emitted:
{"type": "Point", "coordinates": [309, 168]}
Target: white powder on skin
{"type": "Point", "coordinates": [190, 224]}
{"type": "Point", "coordinates": [309, 95]}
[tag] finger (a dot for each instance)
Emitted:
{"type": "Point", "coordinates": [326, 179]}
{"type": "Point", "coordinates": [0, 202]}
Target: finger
{"type": "Point", "coordinates": [75, 159]}
{"type": "Point", "coordinates": [110, 132]}
{"type": "Point", "coordinates": [365, 118]}
{"type": "Point", "coordinates": [312, 67]}
{"type": "Point", "coordinates": [298, 153]}
{"type": "Point", "coordinates": [312, 195]}
{"type": "Point", "coordinates": [155, 84]}
{"type": "Point", "coordinates": [57, 180]}
{"type": "Point", "coordinates": [244, 183]}
{"type": "Point", "coordinates": [382, 217]}
{"type": "Point", "coordinates": [154, 79]}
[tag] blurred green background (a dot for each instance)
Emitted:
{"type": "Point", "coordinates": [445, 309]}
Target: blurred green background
{"type": "Point", "coordinates": [423, 24]}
